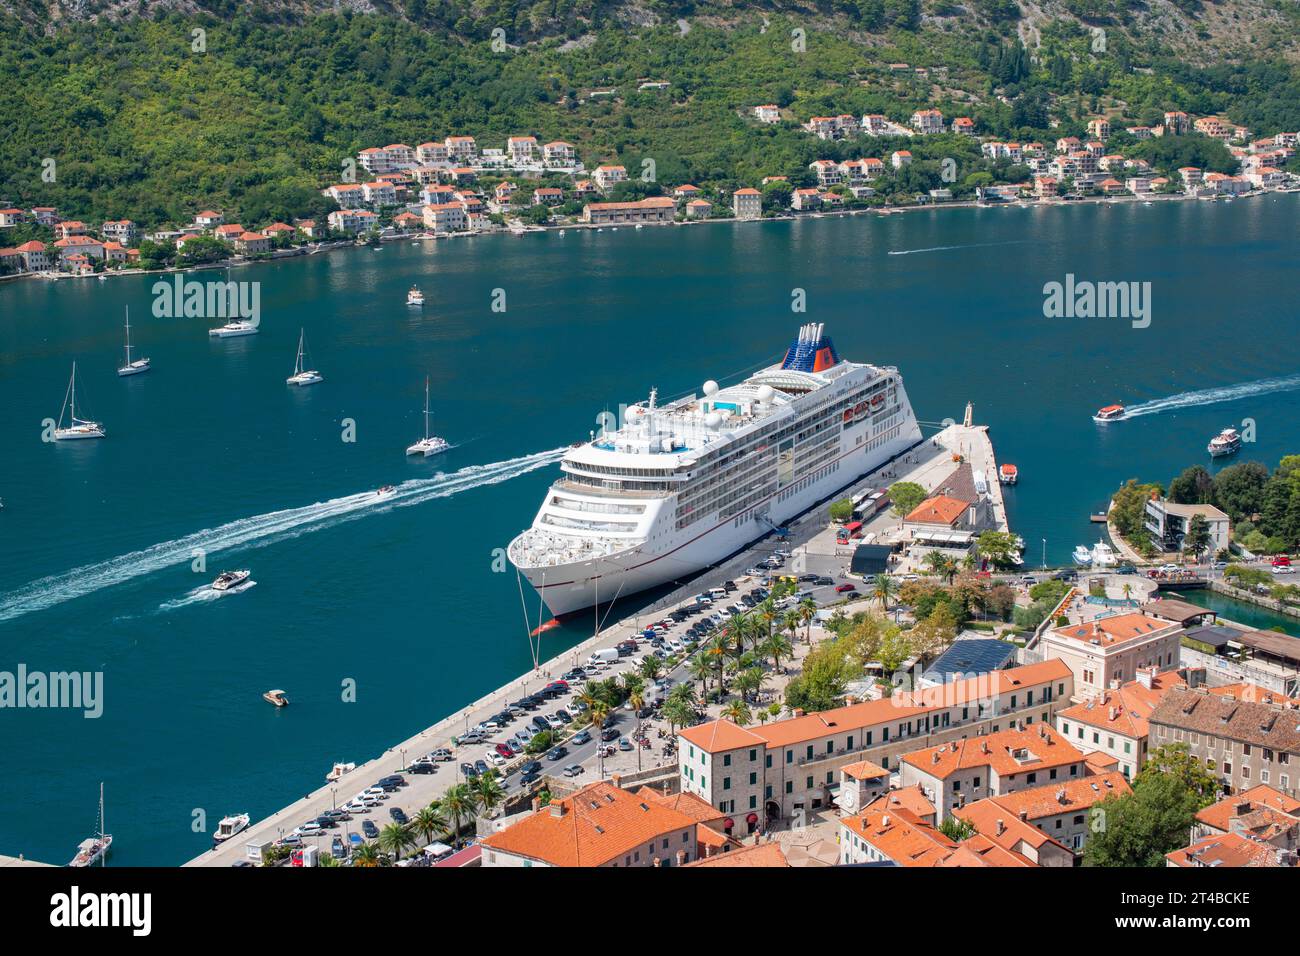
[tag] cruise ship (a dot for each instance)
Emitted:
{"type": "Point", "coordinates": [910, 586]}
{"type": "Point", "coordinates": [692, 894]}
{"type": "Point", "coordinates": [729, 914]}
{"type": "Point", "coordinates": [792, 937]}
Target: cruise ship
{"type": "Point", "coordinates": [678, 487]}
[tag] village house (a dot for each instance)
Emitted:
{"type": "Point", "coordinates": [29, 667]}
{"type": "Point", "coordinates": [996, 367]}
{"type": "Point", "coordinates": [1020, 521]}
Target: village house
{"type": "Point", "coordinates": [769, 113]}
{"type": "Point", "coordinates": [927, 122]}
{"type": "Point", "coordinates": [823, 127]}
{"type": "Point", "coordinates": [1115, 723]}
{"type": "Point", "coordinates": [607, 176]}
{"type": "Point", "coordinates": [964, 125]}
{"type": "Point", "coordinates": [1177, 122]}
{"type": "Point", "coordinates": [70, 228]}
{"type": "Point", "coordinates": [353, 221]}
{"type": "Point", "coordinates": [209, 219]}
{"type": "Point", "coordinates": [10, 218]}
{"type": "Point", "coordinates": [445, 217]}
{"type": "Point", "coordinates": [346, 194]}
{"type": "Point", "coordinates": [683, 193]}
{"type": "Point", "coordinates": [698, 209]}
{"type": "Point", "coordinates": [827, 170]}
{"type": "Point", "coordinates": [461, 149]}
{"type": "Point", "coordinates": [35, 257]}
{"type": "Point", "coordinates": [900, 158]}
{"type": "Point", "coordinates": [378, 194]}
{"type": "Point", "coordinates": [652, 209]}
{"type": "Point", "coordinates": [45, 215]}
{"type": "Point", "coordinates": [79, 264]}
{"type": "Point", "coordinates": [559, 154]}
{"type": "Point", "coordinates": [747, 203]}
{"type": "Point", "coordinates": [406, 221]}
{"type": "Point", "coordinates": [79, 245]}
{"type": "Point", "coordinates": [803, 200]}
{"type": "Point", "coordinates": [432, 154]}
{"type": "Point", "coordinates": [522, 150]}
{"type": "Point", "coordinates": [252, 243]}
{"type": "Point", "coordinates": [548, 196]}
{"type": "Point", "coordinates": [1099, 127]}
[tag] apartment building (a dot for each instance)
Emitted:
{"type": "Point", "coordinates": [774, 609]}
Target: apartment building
{"type": "Point", "coordinates": [652, 209]}
{"type": "Point", "coordinates": [1109, 651]}
{"type": "Point", "coordinates": [461, 149]}
{"type": "Point", "coordinates": [1243, 742]}
{"type": "Point", "coordinates": [747, 203]}
{"type": "Point", "coordinates": [927, 122]}
{"type": "Point", "coordinates": [1060, 812]}
{"type": "Point", "coordinates": [607, 176]}
{"type": "Point", "coordinates": [444, 217]}
{"type": "Point", "coordinates": [1115, 723]}
{"type": "Point", "coordinates": [794, 765]}
{"type": "Point", "coordinates": [522, 150]}
{"type": "Point", "coordinates": [559, 153]}
{"type": "Point", "coordinates": [768, 113]}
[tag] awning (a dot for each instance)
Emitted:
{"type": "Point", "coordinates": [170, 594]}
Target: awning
{"type": "Point", "coordinates": [728, 824]}
{"type": "Point", "coordinates": [751, 819]}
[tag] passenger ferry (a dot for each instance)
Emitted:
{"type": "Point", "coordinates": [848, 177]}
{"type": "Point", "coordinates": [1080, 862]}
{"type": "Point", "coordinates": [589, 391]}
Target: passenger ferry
{"type": "Point", "coordinates": [1109, 414]}
{"type": "Point", "coordinates": [678, 487]}
{"type": "Point", "coordinates": [1227, 442]}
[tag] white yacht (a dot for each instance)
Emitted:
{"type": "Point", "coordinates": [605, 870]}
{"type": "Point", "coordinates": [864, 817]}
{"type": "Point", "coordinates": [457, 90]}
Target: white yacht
{"type": "Point", "coordinates": [230, 826]}
{"type": "Point", "coordinates": [303, 376]}
{"type": "Point", "coordinates": [94, 850]}
{"type": "Point", "coordinates": [1227, 442]}
{"type": "Point", "coordinates": [233, 328]}
{"type": "Point", "coordinates": [77, 427]}
{"type": "Point", "coordinates": [1082, 556]}
{"type": "Point", "coordinates": [678, 487]}
{"type": "Point", "coordinates": [229, 580]}
{"type": "Point", "coordinates": [1103, 555]}
{"type": "Point", "coordinates": [415, 296]}
{"type": "Point", "coordinates": [429, 444]}
{"type": "Point", "coordinates": [129, 367]}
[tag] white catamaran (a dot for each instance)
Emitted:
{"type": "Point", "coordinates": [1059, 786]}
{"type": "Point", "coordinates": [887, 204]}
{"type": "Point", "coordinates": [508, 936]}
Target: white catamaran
{"type": "Point", "coordinates": [429, 444]}
{"type": "Point", "coordinates": [129, 367]}
{"type": "Point", "coordinates": [680, 486]}
{"type": "Point", "coordinates": [77, 427]}
{"type": "Point", "coordinates": [94, 850]}
{"type": "Point", "coordinates": [300, 375]}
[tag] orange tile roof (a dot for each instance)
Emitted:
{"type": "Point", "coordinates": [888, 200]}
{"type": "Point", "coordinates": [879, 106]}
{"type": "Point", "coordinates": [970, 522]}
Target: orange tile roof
{"type": "Point", "coordinates": [653, 202]}
{"type": "Point", "coordinates": [1124, 711]}
{"type": "Point", "coordinates": [940, 509]}
{"type": "Point", "coordinates": [900, 836]}
{"type": "Point", "coordinates": [864, 770]}
{"type": "Point", "coordinates": [688, 803]}
{"type": "Point", "coordinates": [912, 799]}
{"type": "Point", "coordinates": [718, 735]}
{"type": "Point", "coordinates": [985, 816]}
{"type": "Point", "coordinates": [1070, 796]}
{"type": "Point", "coordinates": [1225, 849]}
{"type": "Point", "coordinates": [1006, 752]}
{"type": "Point", "coordinates": [1112, 631]}
{"type": "Point", "coordinates": [597, 825]}
{"type": "Point", "coordinates": [747, 191]}
{"type": "Point", "coordinates": [1262, 797]}
{"type": "Point", "coordinates": [979, 851]}
{"type": "Point", "coordinates": [760, 854]}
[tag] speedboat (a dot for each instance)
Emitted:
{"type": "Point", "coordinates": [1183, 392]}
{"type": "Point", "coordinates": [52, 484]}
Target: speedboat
{"type": "Point", "coordinates": [1008, 474]}
{"type": "Point", "coordinates": [233, 328]}
{"type": "Point", "coordinates": [1103, 555]}
{"type": "Point", "coordinates": [1082, 556]}
{"type": "Point", "coordinates": [429, 444]}
{"type": "Point", "coordinates": [303, 376]}
{"type": "Point", "coordinates": [276, 697]}
{"type": "Point", "coordinates": [227, 580]}
{"type": "Point", "coordinates": [1227, 442]}
{"type": "Point", "coordinates": [77, 427]}
{"type": "Point", "coordinates": [415, 296]}
{"type": "Point", "coordinates": [1109, 414]}
{"type": "Point", "coordinates": [387, 491]}
{"type": "Point", "coordinates": [230, 826]}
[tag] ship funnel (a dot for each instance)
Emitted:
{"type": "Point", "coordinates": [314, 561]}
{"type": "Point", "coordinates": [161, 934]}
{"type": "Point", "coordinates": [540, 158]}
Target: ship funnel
{"type": "Point", "coordinates": [812, 351]}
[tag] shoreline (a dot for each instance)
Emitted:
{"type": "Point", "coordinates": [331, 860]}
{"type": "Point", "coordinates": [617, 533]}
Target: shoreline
{"type": "Point", "coordinates": [312, 249]}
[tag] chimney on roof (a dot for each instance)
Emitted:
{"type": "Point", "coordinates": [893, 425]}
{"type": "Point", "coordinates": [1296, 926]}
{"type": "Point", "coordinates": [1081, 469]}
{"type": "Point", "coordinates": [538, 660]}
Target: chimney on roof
{"type": "Point", "coordinates": [537, 804]}
{"type": "Point", "coordinates": [884, 821]}
{"type": "Point", "coordinates": [797, 712]}
{"type": "Point", "coordinates": [934, 757]}
{"type": "Point", "coordinates": [1024, 816]}
{"type": "Point", "coordinates": [984, 746]}
{"type": "Point", "coordinates": [1146, 676]}
{"type": "Point", "coordinates": [1002, 827]}
{"type": "Point", "coordinates": [557, 808]}
{"type": "Point", "coordinates": [954, 746]}
{"type": "Point", "coordinates": [1241, 809]}
{"type": "Point", "coordinates": [614, 779]}
{"type": "Point", "coordinates": [1113, 712]}
{"type": "Point", "coordinates": [1060, 795]}
{"type": "Point", "coordinates": [850, 700]}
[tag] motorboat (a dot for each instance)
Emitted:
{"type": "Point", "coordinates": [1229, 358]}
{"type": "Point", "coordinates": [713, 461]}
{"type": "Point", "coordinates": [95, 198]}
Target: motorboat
{"type": "Point", "coordinates": [415, 296]}
{"type": "Point", "coordinates": [276, 697]}
{"type": "Point", "coordinates": [1103, 555]}
{"type": "Point", "coordinates": [1109, 414]}
{"type": "Point", "coordinates": [1008, 474]}
{"type": "Point", "coordinates": [429, 444]}
{"type": "Point", "coordinates": [229, 580]}
{"type": "Point", "coordinates": [233, 328]}
{"type": "Point", "coordinates": [1082, 556]}
{"type": "Point", "coordinates": [301, 375]}
{"type": "Point", "coordinates": [338, 770]}
{"type": "Point", "coordinates": [230, 826]}
{"type": "Point", "coordinates": [1227, 442]}
{"type": "Point", "coordinates": [77, 428]}
{"type": "Point", "coordinates": [386, 491]}
{"type": "Point", "coordinates": [130, 367]}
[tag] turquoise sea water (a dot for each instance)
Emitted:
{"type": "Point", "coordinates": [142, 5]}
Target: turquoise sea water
{"type": "Point", "coordinates": [1243, 612]}
{"type": "Point", "coordinates": [97, 538]}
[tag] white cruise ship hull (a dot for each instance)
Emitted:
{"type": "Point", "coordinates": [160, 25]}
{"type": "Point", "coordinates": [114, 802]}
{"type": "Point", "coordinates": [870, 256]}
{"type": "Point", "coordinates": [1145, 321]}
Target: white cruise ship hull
{"type": "Point", "coordinates": [567, 588]}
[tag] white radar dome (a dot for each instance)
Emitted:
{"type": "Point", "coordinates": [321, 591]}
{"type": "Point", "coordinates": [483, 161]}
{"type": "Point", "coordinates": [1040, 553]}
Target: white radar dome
{"type": "Point", "coordinates": [765, 393]}
{"type": "Point", "coordinates": [712, 420]}
{"type": "Point", "coordinates": [710, 387]}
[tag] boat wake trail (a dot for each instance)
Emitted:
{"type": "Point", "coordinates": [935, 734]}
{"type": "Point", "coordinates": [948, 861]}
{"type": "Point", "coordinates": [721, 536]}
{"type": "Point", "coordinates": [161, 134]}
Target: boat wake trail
{"type": "Point", "coordinates": [201, 595]}
{"type": "Point", "coordinates": [1212, 396]}
{"type": "Point", "coordinates": [258, 531]}
{"type": "Point", "coordinates": [974, 245]}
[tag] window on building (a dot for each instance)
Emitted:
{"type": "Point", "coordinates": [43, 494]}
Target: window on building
{"type": "Point", "coordinates": [726, 760]}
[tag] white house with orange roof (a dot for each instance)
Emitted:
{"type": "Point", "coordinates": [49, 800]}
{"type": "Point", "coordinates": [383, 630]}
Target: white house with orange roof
{"type": "Point", "coordinates": [445, 217]}
{"type": "Point", "coordinates": [747, 203]}
{"type": "Point", "coordinates": [379, 193]}
{"type": "Point", "coordinates": [794, 765]}
{"type": "Point", "coordinates": [767, 113]}
{"type": "Point", "coordinates": [959, 772]}
{"type": "Point", "coordinates": [79, 245]}
{"type": "Point", "coordinates": [823, 127]}
{"type": "Point", "coordinates": [522, 150]}
{"type": "Point", "coordinates": [900, 158]}
{"type": "Point", "coordinates": [1110, 651]}
{"type": "Point", "coordinates": [209, 219]}
{"type": "Point", "coordinates": [10, 217]}
{"type": "Point", "coordinates": [698, 209]}
{"type": "Point", "coordinates": [927, 122]}
{"type": "Point", "coordinates": [559, 154]}
{"type": "Point", "coordinates": [252, 243]}
{"type": "Point", "coordinates": [1042, 821]}
{"type": "Point", "coordinates": [964, 125]}
{"type": "Point", "coordinates": [827, 170]}
{"type": "Point", "coordinates": [461, 149]}
{"type": "Point", "coordinates": [45, 215]}
{"type": "Point", "coordinates": [432, 154]}
{"type": "Point", "coordinates": [608, 176]}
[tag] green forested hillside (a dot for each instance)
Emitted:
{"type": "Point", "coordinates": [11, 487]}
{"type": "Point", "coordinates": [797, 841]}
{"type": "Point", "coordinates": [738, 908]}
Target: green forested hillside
{"type": "Point", "coordinates": [140, 124]}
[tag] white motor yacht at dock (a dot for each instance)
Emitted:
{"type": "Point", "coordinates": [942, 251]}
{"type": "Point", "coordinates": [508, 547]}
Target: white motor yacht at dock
{"type": "Point", "coordinates": [680, 486]}
{"type": "Point", "coordinates": [230, 826]}
{"type": "Point", "coordinates": [1082, 556]}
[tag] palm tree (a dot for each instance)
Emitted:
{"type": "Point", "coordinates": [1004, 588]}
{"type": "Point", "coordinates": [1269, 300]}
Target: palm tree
{"type": "Point", "coordinates": [365, 855]}
{"type": "Point", "coordinates": [884, 590]}
{"type": "Point", "coordinates": [633, 684]}
{"type": "Point", "coordinates": [650, 667]}
{"type": "Point", "coordinates": [678, 712]}
{"type": "Point", "coordinates": [636, 697]}
{"type": "Point", "coordinates": [428, 822]}
{"type": "Point", "coordinates": [716, 650]}
{"type": "Point", "coordinates": [458, 803]}
{"type": "Point", "coordinates": [701, 669]}
{"type": "Point", "coordinates": [776, 648]}
{"type": "Point", "coordinates": [791, 623]}
{"type": "Point", "coordinates": [767, 613]}
{"type": "Point", "coordinates": [807, 612]}
{"type": "Point", "coordinates": [488, 791]}
{"type": "Point", "coordinates": [749, 682]}
{"type": "Point", "coordinates": [588, 699]}
{"type": "Point", "coordinates": [738, 712]}
{"type": "Point", "coordinates": [395, 839]}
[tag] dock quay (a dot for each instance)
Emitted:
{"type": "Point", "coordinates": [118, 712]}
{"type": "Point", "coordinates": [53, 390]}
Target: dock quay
{"type": "Point", "coordinates": [810, 537]}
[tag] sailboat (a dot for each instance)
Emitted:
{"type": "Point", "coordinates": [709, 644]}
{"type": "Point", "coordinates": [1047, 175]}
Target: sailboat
{"type": "Point", "coordinates": [300, 375]}
{"type": "Point", "coordinates": [77, 427]}
{"type": "Point", "coordinates": [139, 365]}
{"type": "Point", "coordinates": [94, 850]}
{"type": "Point", "coordinates": [429, 444]}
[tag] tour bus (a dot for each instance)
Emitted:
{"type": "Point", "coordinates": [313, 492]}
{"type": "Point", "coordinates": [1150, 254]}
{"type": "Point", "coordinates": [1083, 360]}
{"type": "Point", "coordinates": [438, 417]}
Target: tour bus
{"type": "Point", "coordinates": [851, 530]}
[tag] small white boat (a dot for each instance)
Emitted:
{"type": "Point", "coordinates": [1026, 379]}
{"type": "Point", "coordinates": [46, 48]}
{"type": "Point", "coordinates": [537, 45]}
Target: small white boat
{"type": "Point", "coordinates": [302, 376]}
{"type": "Point", "coordinates": [1109, 414]}
{"type": "Point", "coordinates": [1227, 442]}
{"type": "Point", "coordinates": [229, 580]}
{"type": "Point", "coordinates": [415, 296]}
{"type": "Point", "coordinates": [230, 826]}
{"type": "Point", "coordinates": [130, 367]}
{"type": "Point", "coordinates": [338, 770]}
{"type": "Point", "coordinates": [386, 491]}
{"type": "Point", "coordinates": [1103, 555]}
{"type": "Point", "coordinates": [276, 697]}
{"type": "Point", "coordinates": [77, 427]}
{"type": "Point", "coordinates": [94, 850]}
{"type": "Point", "coordinates": [1082, 556]}
{"type": "Point", "coordinates": [430, 444]}
{"type": "Point", "coordinates": [233, 328]}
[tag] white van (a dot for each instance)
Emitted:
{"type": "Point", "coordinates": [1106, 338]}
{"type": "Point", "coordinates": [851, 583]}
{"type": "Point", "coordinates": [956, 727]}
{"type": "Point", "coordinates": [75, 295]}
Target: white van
{"type": "Point", "coordinates": [607, 656]}
{"type": "Point", "coordinates": [717, 593]}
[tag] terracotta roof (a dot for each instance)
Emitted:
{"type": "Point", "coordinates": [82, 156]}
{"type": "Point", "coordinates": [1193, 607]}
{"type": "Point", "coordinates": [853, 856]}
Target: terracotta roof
{"type": "Point", "coordinates": [938, 510]}
{"type": "Point", "coordinates": [979, 851]}
{"type": "Point", "coordinates": [718, 735]}
{"type": "Point", "coordinates": [901, 837]}
{"type": "Point", "coordinates": [1124, 711]}
{"type": "Point", "coordinates": [747, 191]}
{"type": "Point", "coordinates": [1071, 796]}
{"type": "Point", "coordinates": [598, 824]}
{"type": "Point", "coordinates": [1269, 725]}
{"type": "Point", "coordinates": [1006, 752]}
{"type": "Point", "coordinates": [760, 854]}
{"type": "Point", "coordinates": [1226, 849]}
{"type": "Point", "coordinates": [653, 202]}
{"type": "Point", "coordinates": [1003, 827]}
{"type": "Point", "coordinates": [864, 770]}
{"type": "Point", "coordinates": [912, 799]}
{"type": "Point", "coordinates": [688, 803]}
{"type": "Point", "coordinates": [1254, 800]}
{"type": "Point", "coordinates": [1112, 631]}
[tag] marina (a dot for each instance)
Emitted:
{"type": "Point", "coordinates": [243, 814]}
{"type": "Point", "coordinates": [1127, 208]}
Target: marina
{"type": "Point", "coordinates": [290, 500]}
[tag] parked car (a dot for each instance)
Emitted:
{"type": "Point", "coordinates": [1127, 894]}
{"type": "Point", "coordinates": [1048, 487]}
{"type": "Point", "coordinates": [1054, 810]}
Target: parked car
{"type": "Point", "coordinates": [369, 829]}
{"type": "Point", "coordinates": [441, 755]}
{"type": "Point", "coordinates": [573, 769]}
{"type": "Point", "coordinates": [845, 588]}
{"type": "Point", "coordinates": [398, 814]}
{"type": "Point", "coordinates": [608, 734]}
{"type": "Point", "coordinates": [481, 767]}
{"type": "Point", "coordinates": [504, 750]}
{"type": "Point", "coordinates": [423, 767]}
{"type": "Point", "coordinates": [624, 744]}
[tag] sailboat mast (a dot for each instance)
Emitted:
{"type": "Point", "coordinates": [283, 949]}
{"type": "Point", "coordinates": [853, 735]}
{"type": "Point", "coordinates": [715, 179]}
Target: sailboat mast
{"type": "Point", "coordinates": [426, 408]}
{"type": "Point", "coordinates": [73, 386]}
{"type": "Point", "coordinates": [103, 856]}
{"type": "Point", "coordinates": [128, 335]}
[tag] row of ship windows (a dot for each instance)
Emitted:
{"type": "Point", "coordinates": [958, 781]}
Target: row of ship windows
{"type": "Point", "coordinates": [559, 521]}
{"type": "Point", "coordinates": [573, 504]}
{"type": "Point", "coordinates": [801, 485]}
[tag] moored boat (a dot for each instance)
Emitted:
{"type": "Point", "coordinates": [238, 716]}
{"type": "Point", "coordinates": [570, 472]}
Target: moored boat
{"type": "Point", "coordinates": [130, 367]}
{"type": "Point", "coordinates": [230, 826]}
{"type": "Point", "coordinates": [429, 444]}
{"type": "Point", "coordinates": [338, 770]}
{"type": "Point", "coordinates": [301, 375]}
{"type": "Point", "coordinates": [94, 850]}
{"type": "Point", "coordinates": [1082, 556]}
{"type": "Point", "coordinates": [415, 296]}
{"type": "Point", "coordinates": [1008, 474]}
{"type": "Point", "coordinates": [233, 328]}
{"type": "Point", "coordinates": [77, 428]}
